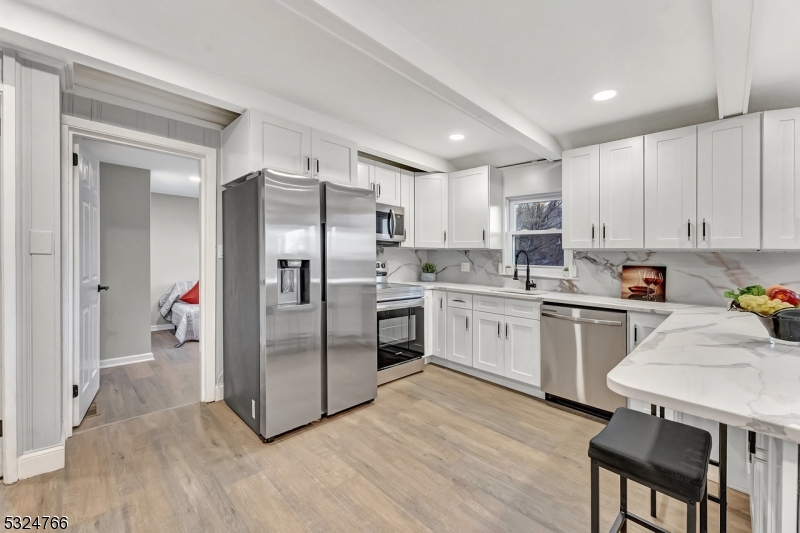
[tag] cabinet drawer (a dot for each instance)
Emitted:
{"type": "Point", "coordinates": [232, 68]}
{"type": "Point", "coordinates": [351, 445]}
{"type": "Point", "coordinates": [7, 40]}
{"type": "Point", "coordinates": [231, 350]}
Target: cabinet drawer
{"type": "Point", "coordinates": [459, 300]}
{"type": "Point", "coordinates": [523, 308]}
{"type": "Point", "coordinates": [488, 304]}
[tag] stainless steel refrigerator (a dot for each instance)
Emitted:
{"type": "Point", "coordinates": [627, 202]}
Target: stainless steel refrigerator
{"type": "Point", "coordinates": [350, 328]}
{"type": "Point", "coordinates": [299, 312]}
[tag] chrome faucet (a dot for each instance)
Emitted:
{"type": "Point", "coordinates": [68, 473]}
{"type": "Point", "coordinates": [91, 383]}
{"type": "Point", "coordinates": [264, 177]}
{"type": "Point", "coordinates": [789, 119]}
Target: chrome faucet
{"type": "Point", "coordinates": [528, 283]}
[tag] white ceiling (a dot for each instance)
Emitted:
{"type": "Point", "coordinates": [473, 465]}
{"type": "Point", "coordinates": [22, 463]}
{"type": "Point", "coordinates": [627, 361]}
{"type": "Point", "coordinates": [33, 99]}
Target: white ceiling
{"type": "Point", "coordinates": [542, 58]}
{"type": "Point", "coordinates": [169, 174]}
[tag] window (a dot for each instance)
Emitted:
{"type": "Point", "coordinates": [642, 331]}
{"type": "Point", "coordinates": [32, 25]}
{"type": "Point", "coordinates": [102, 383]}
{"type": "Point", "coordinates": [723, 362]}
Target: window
{"type": "Point", "coordinates": [534, 226]}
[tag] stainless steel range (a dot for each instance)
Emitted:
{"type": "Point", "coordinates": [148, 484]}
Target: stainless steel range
{"type": "Point", "coordinates": [401, 328]}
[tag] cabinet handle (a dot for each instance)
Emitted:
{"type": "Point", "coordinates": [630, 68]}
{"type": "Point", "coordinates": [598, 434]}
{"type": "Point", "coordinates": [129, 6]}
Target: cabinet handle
{"type": "Point", "coordinates": [308, 164]}
{"type": "Point", "coordinates": [440, 303]}
{"type": "Point", "coordinates": [592, 231]}
{"type": "Point", "coordinates": [460, 301]}
{"type": "Point", "coordinates": [405, 233]}
{"type": "Point", "coordinates": [379, 190]}
{"type": "Point", "coordinates": [467, 318]}
{"type": "Point", "coordinates": [635, 333]}
{"type": "Point", "coordinates": [484, 236]}
{"type": "Point", "coordinates": [604, 231]}
{"type": "Point", "coordinates": [445, 237]}
{"type": "Point", "coordinates": [498, 330]}
{"type": "Point", "coordinates": [506, 331]}
{"type": "Point", "coordinates": [689, 229]}
{"type": "Point", "coordinates": [704, 229]}
{"type": "Point", "coordinates": [317, 166]}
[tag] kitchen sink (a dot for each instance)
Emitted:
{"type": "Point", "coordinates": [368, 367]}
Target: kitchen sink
{"type": "Point", "coordinates": [517, 291]}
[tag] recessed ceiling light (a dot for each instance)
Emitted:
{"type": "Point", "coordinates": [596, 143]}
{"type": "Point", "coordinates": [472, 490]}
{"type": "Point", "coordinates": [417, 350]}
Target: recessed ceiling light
{"type": "Point", "coordinates": [604, 95]}
{"type": "Point", "coordinates": [457, 137]}
{"type": "Point", "coordinates": [194, 178]}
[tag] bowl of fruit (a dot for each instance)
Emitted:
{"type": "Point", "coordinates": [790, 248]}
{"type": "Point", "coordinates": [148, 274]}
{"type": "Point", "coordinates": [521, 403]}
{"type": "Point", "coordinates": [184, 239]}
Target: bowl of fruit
{"type": "Point", "coordinates": [777, 307]}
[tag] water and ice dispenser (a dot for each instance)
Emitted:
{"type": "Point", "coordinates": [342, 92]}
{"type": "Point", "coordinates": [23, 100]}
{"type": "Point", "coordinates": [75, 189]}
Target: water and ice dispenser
{"type": "Point", "coordinates": [293, 282]}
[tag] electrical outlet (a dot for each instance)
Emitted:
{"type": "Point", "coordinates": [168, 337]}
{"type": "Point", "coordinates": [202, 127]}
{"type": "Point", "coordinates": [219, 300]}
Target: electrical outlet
{"type": "Point", "coordinates": [464, 267]}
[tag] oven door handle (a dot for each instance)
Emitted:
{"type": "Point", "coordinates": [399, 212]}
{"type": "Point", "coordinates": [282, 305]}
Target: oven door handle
{"type": "Point", "coordinates": [582, 320]}
{"type": "Point", "coordinates": [401, 304]}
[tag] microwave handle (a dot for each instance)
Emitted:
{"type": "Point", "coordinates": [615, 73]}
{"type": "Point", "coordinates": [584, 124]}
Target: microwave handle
{"type": "Point", "coordinates": [391, 223]}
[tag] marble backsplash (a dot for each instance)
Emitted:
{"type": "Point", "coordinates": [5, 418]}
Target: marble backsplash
{"type": "Point", "coordinates": [693, 278]}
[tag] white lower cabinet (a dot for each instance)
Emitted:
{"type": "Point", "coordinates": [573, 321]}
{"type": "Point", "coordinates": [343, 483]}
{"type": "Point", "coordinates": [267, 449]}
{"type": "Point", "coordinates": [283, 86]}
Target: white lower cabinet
{"type": "Point", "coordinates": [439, 323]}
{"type": "Point", "coordinates": [522, 351]}
{"type": "Point", "coordinates": [488, 342]}
{"type": "Point", "coordinates": [640, 326]}
{"type": "Point", "coordinates": [459, 335]}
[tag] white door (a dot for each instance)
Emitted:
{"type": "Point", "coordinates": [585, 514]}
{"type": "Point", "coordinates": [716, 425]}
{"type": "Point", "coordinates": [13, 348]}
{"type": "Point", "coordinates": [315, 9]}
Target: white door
{"type": "Point", "coordinates": [439, 324]}
{"type": "Point", "coordinates": [670, 189]}
{"type": "Point", "coordinates": [469, 208]}
{"type": "Point", "coordinates": [729, 183]}
{"type": "Point", "coordinates": [459, 335]}
{"type": "Point", "coordinates": [366, 171]}
{"type": "Point", "coordinates": [523, 352]}
{"type": "Point", "coordinates": [334, 158]}
{"type": "Point", "coordinates": [430, 210]}
{"type": "Point", "coordinates": [407, 203]}
{"type": "Point", "coordinates": [488, 338]}
{"type": "Point", "coordinates": [781, 180]}
{"type": "Point", "coordinates": [279, 144]}
{"type": "Point", "coordinates": [622, 194]}
{"type": "Point", "coordinates": [387, 184]}
{"type": "Point", "coordinates": [87, 365]}
{"type": "Point", "coordinates": [580, 183]}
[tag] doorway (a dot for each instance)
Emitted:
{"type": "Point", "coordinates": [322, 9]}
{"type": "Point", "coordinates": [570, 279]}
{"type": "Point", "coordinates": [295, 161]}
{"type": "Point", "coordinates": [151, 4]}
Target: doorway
{"type": "Point", "coordinates": [82, 347]}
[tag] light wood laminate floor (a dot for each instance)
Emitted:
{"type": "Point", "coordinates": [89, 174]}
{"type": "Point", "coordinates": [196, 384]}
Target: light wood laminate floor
{"type": "Point", "coordinates": [170, 380]}
{"type": "Point", "coordinates": [438, 451]}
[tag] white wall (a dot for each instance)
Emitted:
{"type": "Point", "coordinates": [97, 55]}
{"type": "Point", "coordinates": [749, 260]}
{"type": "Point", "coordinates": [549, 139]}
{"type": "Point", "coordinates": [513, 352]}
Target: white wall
{"type": "Point", "coordinates": [174, 245]}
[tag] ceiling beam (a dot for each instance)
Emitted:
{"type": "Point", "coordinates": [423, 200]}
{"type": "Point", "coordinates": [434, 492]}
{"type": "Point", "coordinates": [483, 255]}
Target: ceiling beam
{"type": "Point", "coordinates": [734, 37]}
{"type": "Point", "coordinates": [369, 30]}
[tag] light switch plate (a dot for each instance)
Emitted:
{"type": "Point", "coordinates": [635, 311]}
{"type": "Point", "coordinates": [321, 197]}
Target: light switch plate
{"type": "Point", "coordinates": [41, 242]}
{"type": "Point", "coordinates": [464, 267]}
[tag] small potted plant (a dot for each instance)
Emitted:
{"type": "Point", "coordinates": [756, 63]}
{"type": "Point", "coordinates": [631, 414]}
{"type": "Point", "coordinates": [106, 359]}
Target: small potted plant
{"type": "Point", "coordinates": [428, 272]}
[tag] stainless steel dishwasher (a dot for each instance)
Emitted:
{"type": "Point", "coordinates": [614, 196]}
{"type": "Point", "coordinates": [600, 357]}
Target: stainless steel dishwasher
{"type": "Point", "coordinates": [580, 346]}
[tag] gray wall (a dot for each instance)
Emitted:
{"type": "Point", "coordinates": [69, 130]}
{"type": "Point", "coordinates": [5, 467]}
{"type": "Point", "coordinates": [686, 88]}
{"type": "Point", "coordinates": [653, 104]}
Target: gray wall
{"type": "Point", "coordinates": [174, 245]}
{"type": "Point", "coordinates": [124, 261]}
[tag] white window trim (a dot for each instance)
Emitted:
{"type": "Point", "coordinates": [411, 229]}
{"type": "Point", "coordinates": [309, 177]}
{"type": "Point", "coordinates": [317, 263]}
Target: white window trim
{"type": "Point", "coordinates": [508, 236]}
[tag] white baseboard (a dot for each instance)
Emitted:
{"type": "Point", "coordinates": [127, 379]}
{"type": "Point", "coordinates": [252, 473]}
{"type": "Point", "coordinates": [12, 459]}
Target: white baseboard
{"type": "Point", "coordinates": [486, 376]}
{"type": "Point", "coordinates": [219, 393]}
{"type": "Point", "coordinates": [126, 360]}
{"type": "Point", "coordinates": [41, 461]}
{"type": "Point", "coordinates": [162, 327]}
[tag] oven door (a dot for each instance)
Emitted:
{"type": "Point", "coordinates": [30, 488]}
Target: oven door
{"type": "Point", "coordinates": [401, 333]}
{"type": "Point", "coordinates": [390, 224]}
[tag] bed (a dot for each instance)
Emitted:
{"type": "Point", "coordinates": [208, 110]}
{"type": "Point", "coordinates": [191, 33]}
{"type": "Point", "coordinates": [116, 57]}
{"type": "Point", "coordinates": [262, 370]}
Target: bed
{"type": "Point", "coordinates": [184, 316]}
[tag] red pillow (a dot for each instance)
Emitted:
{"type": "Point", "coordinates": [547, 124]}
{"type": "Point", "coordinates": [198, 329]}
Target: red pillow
{"type": "Point", "coordinates": [192, 296]}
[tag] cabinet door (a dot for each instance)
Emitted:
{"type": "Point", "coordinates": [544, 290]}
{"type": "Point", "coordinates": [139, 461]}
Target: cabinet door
{"type": "Point", "coordinates": [488, 342]}
{"type": "Point", "coordinates": [670, 189]}
{"type": "Point", "coordinates": [640, 326]}
{"type": "Point", "coordinates": [523, 355]}
{"type": "Point", "coordinates": [439, 340]}
{"type": "Point", "coordinates": [334, 158]}
{"type": "Point", "coordinates": [781, 180]}
{"type": "Point", "coordinates": [279, 144]}
{"type": "Point", "coordinates": [580, 183]}
{"type": "Point", "coordinates": [430, 210]}
{"type": "Point", "coordinates": [469, 208]}
{"type": "Point", "coordinates": [622, 194]}
{"type": "Point", "coordinates": [387, 184]}
{"type": "Point", "coordinates": [459, 336]}
{"type": "Point", "coordinates": [366, 173]}
{"type": "Point", "coordinates": [407, 203]}
{"type": "Point", "coordinates": [729, 183]}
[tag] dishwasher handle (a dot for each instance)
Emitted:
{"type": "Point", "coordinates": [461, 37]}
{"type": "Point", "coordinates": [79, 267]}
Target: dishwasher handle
{"type": "Point", "coordinates": [583, 320]}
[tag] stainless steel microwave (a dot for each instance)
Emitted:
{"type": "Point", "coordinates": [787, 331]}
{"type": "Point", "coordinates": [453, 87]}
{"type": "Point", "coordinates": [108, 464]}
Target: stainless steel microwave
{"type": "Point", "coordinates": [390, 224]}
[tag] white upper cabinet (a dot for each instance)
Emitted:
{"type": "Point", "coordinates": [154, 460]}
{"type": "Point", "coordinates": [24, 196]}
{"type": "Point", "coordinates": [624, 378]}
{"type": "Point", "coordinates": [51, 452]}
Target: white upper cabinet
{"type": "Point", "coordinates": [729, 183]}
{"type": "Point", "coordinates": [488, 342]}
{"type": "Point", "coordinates": [670, 189]}
{"type": "Point", "coordinates": [366, 173]}
{"type": "Point", "coordinates": [580, 182]}
{"type": "Point", "coordinates": [622, 194]}
{"type": "Point", "coordinates": [335, 158]}
{"type": "Point", "coordinates": [781, 180]}
{"type": "Point", "coordinates": [387, 184]}
{"type": "Point", "coordinates": [407, 203]}
{"type": "Point", "coordinates": [430, 210]}
{"type": "Point", "coordinates": [475, 208]}
{"type": "Point", "coordinates": [258, 140]}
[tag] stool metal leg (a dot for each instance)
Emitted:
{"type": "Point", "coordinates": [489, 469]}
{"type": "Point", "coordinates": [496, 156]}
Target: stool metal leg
{"type": "Point", "coordinates": [623, 502]}
{"type": "Point", "coordinates": [653, 498]}
{"type": "Point", "coordinates": [704, 512]}
{"type": "Point", "coordinates": [723, 478]}
{"type": "Point", "coordinates": [595, 497]}
{"type": "Point", "coordinates": [691, 517]}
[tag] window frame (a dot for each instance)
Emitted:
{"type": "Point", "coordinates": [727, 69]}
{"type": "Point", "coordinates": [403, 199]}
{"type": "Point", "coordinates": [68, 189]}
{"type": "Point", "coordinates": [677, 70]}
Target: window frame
{"type": "Point", "coordinates": [509, 234]}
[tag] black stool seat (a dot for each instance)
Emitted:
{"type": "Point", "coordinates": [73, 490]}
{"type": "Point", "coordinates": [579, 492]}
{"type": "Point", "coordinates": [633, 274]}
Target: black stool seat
{"type": "Point", "coordinates": [658, 452]}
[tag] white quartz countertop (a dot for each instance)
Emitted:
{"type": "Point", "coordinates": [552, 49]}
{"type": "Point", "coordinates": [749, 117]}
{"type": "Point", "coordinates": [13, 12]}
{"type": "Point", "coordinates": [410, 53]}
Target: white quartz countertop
{"type": "Point", "coordinates": [664, 308]}
{"type": "Point", "coordinates": [718, 365]}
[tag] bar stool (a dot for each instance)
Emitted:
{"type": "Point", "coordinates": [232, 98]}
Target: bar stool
{"type": "Point", "coordinates": [660, 454]}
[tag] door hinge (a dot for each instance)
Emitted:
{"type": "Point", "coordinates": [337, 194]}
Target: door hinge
{"type": "Point", "coordinates": [74, 391]}
{"type": "Point", "coordinates": [74, 159]}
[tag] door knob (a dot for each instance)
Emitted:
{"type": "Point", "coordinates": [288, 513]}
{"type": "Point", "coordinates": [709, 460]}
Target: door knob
{"type": "Point", "coordinates": [102, 288]}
